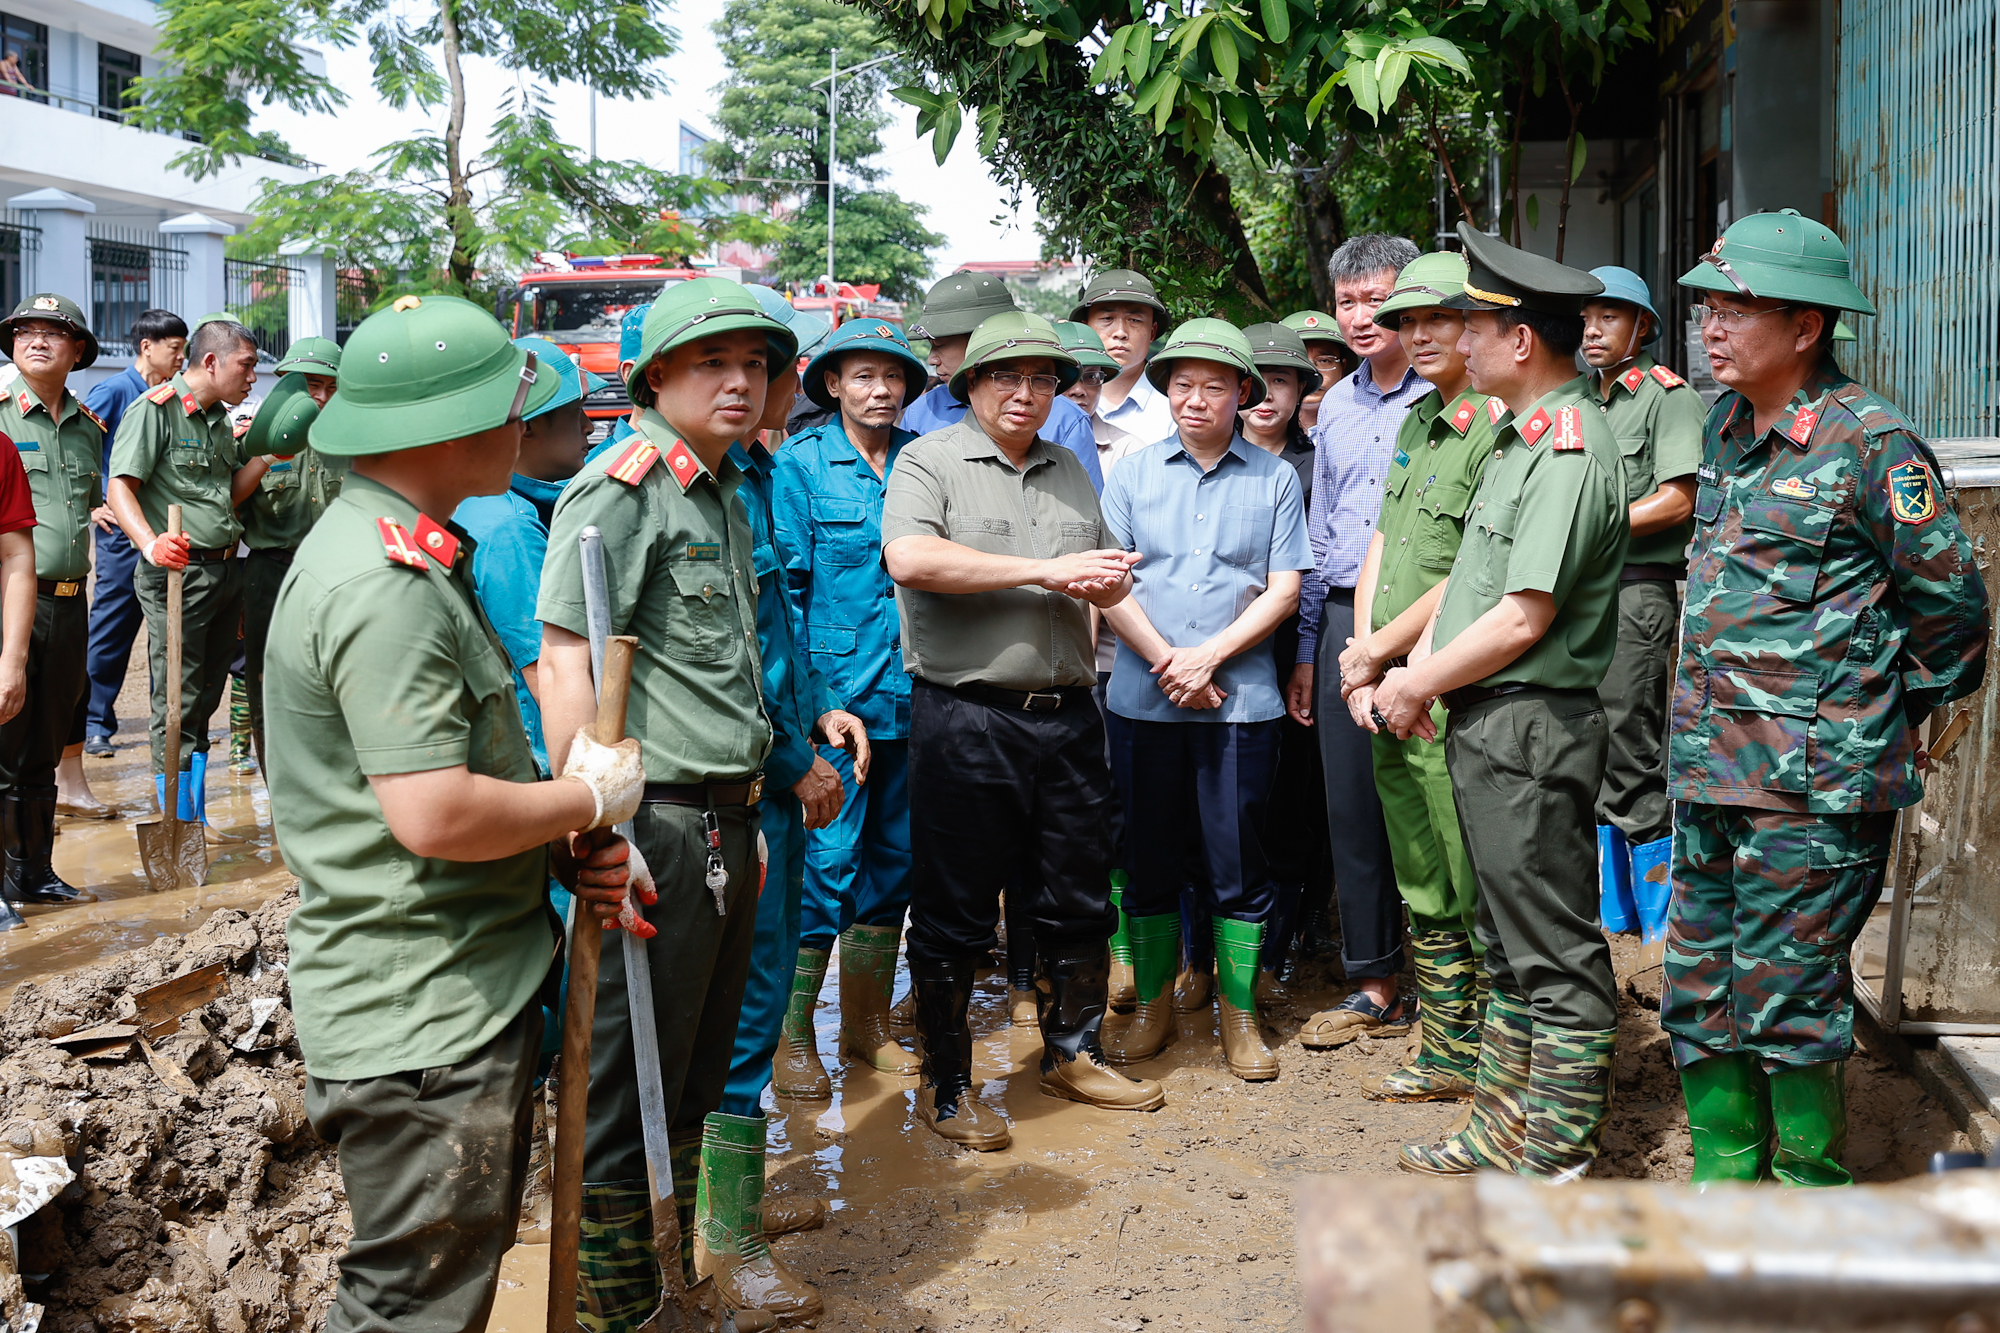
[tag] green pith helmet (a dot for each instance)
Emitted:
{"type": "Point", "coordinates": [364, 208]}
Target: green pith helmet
{"type": "Point", "coordinates": [961, 303]}
{"type": "Point", "coordinates": [1426, 281]}
{"type": "Point", "coordinates": [283, 419]}
{"type": "Point", "coordinates": [425, 370]}
{"type": "Point", "coordinates": [1082, 340]}
{"type": "Point", "coordinates": [53, 309]}
{"type": "Point", "coordinates": [1119, 284]}
{"type": "Point", "coordinates": [1314, 326]}
{"type": "Point", "coordinates": [1010, 336]}
{"type": "Point", "coordinates": [1275, 347]}
{"type": "Point", "coordinates": [696, 308]}
{"type": "Point", "coordinates": [312, 356]}
{"type": "Point", "coordinates": [1503, 277]}
{"type": "Point", "coordinates": [865, 335]}
{"type": "Point", "coordinates": [1208, 340]}
{"type": "Point", "coordinates": [1782, 256]}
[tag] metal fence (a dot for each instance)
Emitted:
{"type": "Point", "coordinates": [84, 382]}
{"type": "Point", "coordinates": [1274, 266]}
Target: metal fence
{"type": "Point", "coordinates": [130, 272]}
{"type": "Point", "coordinates": [258, 292]}
{"type": "Point", "coordinates": [20, 245]}
{"type": "Point", "coordinates": [1917, 197]}
{"type": "Point", "coordinates": [355, 291]}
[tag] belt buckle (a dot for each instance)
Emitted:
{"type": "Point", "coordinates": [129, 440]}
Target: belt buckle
{"type": "Point", "coordinates": [68, 587]}
{"type": "Point", "coordinates": [756, 790]}
{"type": "Point", "coordinates": [1034, 698]}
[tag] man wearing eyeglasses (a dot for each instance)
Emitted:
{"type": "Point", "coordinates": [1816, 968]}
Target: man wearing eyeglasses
{"type": "Point", "coordinates": [1832, 603]}
{"type": "Point", "coordinates": [996, 543]}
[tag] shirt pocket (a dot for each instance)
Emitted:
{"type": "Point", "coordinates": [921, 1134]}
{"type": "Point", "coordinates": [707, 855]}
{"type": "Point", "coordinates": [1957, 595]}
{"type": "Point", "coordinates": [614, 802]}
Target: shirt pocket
{"type": "Point", "coordinates": [1762, 731]}
{"type": "Point", "coordinates": [1495, 520]}
{"type": "Point", "coordinates": [1637, 455]}
{"type": "Point", "coordinates": [763, 562]}
{"type": "Point", "coordinates": [280, 478]}
{"type": "Point", "coordinates": [842, 535]}
{"type": "Point", "coordinates": [995, 536]}
{"type": "Point", "coordinates": [832, 649]}
{"type": "Point", "coordinates": [701, 623]}
{"type": "Point", "coordinates": [35, 460]}
{"type": "Point", "coordinates": [191, 457]}
{"type": "Point", "coordinates": [1441, 524]}
{"type": "Point", "coordinates": [1245, 539]}
{"type": "Point", "coordinates": [1707, 503]}
{"type": "Point", "coordinates": [497, 739]}
{"type": "Point", "coordinates": [1779, 549]}
{"type": "Point", "coordinates": [1076, 535]}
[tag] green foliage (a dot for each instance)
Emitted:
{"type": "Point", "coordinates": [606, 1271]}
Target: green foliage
{"type": "Point", "coordinates": [877, 238]}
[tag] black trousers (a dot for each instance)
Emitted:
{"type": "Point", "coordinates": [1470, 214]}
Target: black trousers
{"type": "Point", "coordinates": [1002, 799]}
{"type": "Point", "coordinates": [31, 742]}
{"type": "Point", "coordinates": [1364, 879]}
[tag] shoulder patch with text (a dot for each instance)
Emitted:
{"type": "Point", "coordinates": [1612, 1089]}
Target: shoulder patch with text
{"type": "Point", "coordinates": [1912, 498]}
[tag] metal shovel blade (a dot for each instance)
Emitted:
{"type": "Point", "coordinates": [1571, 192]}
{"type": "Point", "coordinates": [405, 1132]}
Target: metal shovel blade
{"type": "Point", "coordinates": [174, 853]}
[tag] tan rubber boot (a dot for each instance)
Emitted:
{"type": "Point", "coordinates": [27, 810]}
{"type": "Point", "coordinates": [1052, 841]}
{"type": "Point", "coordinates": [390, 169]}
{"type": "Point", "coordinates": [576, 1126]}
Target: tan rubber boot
{"type": "Point", "coordinates": [1021, 1008]}
{"type": "Point", "coordinates": [796, 1070]}
{"type": "Point", "coordinates": [786, 1213]}
{"type": "Point", "coordinates": [1073, 1064]}
{"type": "Point", "coordinates": [867, 977]}
{"type": "Point", "coordinates": [1193, 990]}
{"type": "Point", "coordinates": [1238, 945]}
{"type": "Point", "coordinates": [1156, 949]}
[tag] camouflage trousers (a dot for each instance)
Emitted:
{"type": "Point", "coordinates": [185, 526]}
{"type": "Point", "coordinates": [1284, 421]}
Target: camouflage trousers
{"type": "Point", "coordinates": [1766, 906]}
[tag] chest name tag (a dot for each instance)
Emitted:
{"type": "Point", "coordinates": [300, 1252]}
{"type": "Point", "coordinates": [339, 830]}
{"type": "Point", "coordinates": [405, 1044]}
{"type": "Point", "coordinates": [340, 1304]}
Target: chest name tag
{"type": "Point", "coordinates": [1794, 489]}
{"type": "Point", "coordinates": [1402, 458]}
{"type": "Point", "coordinates": [1707, 475]}
{"type": "Point", "coordinates": [704, 550]}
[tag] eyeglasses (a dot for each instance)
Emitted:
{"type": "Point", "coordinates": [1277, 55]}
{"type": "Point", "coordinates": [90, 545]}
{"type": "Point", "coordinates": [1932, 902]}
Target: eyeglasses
{"type": "Point", "coordinates": [1093, 375]}
{"type": "Point", "coordinates": [1010, 381]}
{"type": "Point", "coordinates": [1729, 321]}
{"type": "Point", "coordinates": [32, 334]}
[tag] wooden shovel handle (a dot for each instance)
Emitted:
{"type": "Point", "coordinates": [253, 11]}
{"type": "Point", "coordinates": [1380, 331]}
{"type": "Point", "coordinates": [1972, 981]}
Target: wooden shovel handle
{"type": "Point", "coordinates": [615, 690]}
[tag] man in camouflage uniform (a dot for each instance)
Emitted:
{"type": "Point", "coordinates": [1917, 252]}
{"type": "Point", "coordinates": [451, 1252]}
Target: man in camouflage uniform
{"type": "Point", "coordinates": [1832, 602]}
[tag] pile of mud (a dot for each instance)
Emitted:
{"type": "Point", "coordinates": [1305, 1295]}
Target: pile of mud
{"type": "Point", "coordinates": [203, 1202]}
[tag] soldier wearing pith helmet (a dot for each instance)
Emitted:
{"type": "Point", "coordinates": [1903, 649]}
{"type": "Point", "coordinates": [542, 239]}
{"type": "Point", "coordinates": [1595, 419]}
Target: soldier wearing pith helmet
{"type": "Point", "coordinates": [407, 803]}
{"type": "Point", "coordinates": [1518, 645]}
{"type": "Point", "coordinates": [1832, 602]}
{"type": "Point", "coordinates": [1125, 311]}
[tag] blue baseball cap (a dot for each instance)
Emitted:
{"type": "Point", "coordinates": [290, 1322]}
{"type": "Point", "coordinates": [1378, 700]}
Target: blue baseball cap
{"type": "Point", "coordinates": [1622, 284]}
{"type": "Point", "coordinates": [573, 382]}
{"type": "Point", "coordinates": [810, 328]}
{"type": "Point", "coordinates": [865, 335]}
{"type": "Point", "coordinates": [629, 330]}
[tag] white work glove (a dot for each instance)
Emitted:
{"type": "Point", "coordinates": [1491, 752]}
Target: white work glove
{"type": "Point", "coordinates": [615, 775]}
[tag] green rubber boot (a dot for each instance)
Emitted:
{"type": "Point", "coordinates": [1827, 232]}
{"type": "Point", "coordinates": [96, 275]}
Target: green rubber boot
{"type": "Point", "coordinates": [796, 1070]}
{"type": "Point", "coordinates": [1155, 951]}
{"type": "Point", "coordinates": [1569, 1095]}
{"type": "Point", "coordinates": [1238, 947]}
{"type": "Point", "coordinates": [1449, 992]}
{"type": "Point", "coordinates": [1492, 1138]}
{"type": "Point", "coordinates": [1809, 1108]}
{"type": "Point", "coordinates": [1121, 992]}
{"type": "Point", "coordinates": [867, 980]}
{"type": "Point", "coordinates": [1729, 1118]}
{"type": "Point", "coordinates": [617, 1272]}
{"type": "Point", "coordinates": [747, 1275]}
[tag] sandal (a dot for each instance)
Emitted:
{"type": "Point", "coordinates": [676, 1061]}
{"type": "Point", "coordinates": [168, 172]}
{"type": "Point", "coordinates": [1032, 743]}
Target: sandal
{"type": "Point", "coordinates": [1355, 1016]}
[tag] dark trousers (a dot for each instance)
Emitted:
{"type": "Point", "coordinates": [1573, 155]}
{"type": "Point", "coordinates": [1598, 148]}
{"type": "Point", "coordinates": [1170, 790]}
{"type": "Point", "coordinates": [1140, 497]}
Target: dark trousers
{"type": "Point", "coordinates": [699, 962]}
{"type": "Point", "coordinates": [115, 617]}
{"type": "Point", "coordinates": [263, 574]}
{"type": "Point", "coordinates": [1002, 799]}
{"type": "Point", "coordinates": [1634, 793]}
{"type": "Point", "coordinates": [211, 611]}
{"type": "Point", "coordinates": [1295, 835]}
{"type": "Point", "coordinates": [1524, 771]}
{"type": "Point", "coordinates": [1198, 793]}
{"type": "Point", "coordinates": [31, 742]}
{"type": "Point", "coordinates": [1364, 878]}
{"type": "Point", "coordinates": [434, 1161]}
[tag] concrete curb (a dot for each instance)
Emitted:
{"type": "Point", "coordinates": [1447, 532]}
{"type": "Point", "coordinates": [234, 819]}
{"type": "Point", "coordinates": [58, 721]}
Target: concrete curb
{"type": "Point", "coordinates": [1937, 1074]}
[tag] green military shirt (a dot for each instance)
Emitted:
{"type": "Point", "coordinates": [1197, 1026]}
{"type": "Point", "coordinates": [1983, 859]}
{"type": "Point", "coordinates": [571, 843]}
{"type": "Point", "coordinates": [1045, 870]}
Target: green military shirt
{"type": "Point", "coordinates": [956, 484]}
{"type": "Point", "coordinates": [63, 461]}
{"type": "Point", "coordinates": [1548, 516]}
{"type": "Point", "coordinates": [381, 662]}
{"type": "Point", "coordinates": [289, 500]}
{"type": "Point", "coordinates": [1658, 420]}
{"type": "Point", "coordinates": [323, 476]}
{"type": "Point", "coordinates": [181, 453]}
{"type": "Point", "coordinates": [1441, 450]}
{"type": "Point", "coordinates": [680, 571]}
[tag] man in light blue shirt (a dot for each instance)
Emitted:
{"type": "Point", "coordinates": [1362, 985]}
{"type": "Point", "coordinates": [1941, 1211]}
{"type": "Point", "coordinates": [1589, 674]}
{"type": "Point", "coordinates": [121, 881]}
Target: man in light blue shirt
{"type": "Point", "coordinates": [1194, 696]}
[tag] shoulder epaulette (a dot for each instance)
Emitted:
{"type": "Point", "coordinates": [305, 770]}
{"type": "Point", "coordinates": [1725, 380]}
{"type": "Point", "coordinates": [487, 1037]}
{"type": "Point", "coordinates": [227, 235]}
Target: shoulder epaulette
{"type": "Point", "coordinates": [1495, 409]}
{"type": "Point", "coordinates": [95, 419]}
{"type": "Point", "coordinates": [1569, 430]}
{"type": "Point", "coordinates": [1667, 378]}
{"type": "Point", "coordinates": [161, 394]}
{"type": "Point", "coordinates": [398, 544]}
{"type": "Point", "coordinates": [631, 466]}
{"type": "Point", "coordinates": [1633, 378]}
{"type": "Point", "coordinates": [1534, 427]}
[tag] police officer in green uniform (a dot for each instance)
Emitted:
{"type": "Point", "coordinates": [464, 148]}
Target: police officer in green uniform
{"type": "Point", "coordinates": [407, 803]}
{"type": "Point", "coordinates": [60, 441]}
{"type": "Point", "coordinates": [1657, 418]}
{"type": "Point", "coordinates": [276, 517]}
{"type": "Point", "coordinates": [175, 446]}
{"type": "Point", "coordinates": [1442, 449]}
{"type": "Point", "coordinates": [1833, 601]}
{"type": "Point", "coordinates": [678, 562]}
{"type": "Point", "coordinates": [1518, 645]}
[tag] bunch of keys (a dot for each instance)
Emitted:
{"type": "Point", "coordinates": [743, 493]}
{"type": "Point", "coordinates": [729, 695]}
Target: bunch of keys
{"type": "Point", "coordinates": [717, 877]}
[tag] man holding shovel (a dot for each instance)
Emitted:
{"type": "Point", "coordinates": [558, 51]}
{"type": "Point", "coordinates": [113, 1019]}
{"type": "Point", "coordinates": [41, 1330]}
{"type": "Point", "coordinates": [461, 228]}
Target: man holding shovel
{"type": "Point", "coordinates": [407, 802]}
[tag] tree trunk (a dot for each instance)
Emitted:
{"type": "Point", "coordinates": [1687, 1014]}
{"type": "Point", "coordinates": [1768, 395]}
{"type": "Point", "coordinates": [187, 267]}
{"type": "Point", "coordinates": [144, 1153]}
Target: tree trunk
{"type": "Point", "coordinates": [1320, 217]}
{"type": "Point", "coordinates": [1569, 156]}
{"type": "Point", "coordinates": [1512, 230]}
{"type": "Point", "coordinates": [1208, 192]}
{"type": "Point", "coordinates": [458, 201]}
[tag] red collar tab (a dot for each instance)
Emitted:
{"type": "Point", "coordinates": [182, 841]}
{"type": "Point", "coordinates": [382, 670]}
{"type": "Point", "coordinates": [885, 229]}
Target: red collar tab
{"type": "Point", "coordinates": [161, 394]}
{"type": "Point", "coordinates": [631, 466]}
{"type": "Point", "coordinates": [1534, 427]}
{"type": "Point", "coordinates": [1495, 409]}
{"type": "Point", "coordinates": [1632, 379]}
{"type": "Point", "coordinates": [435, 542]}
{"type": "Point", "coordinates": [398, 545]}
{"type": "Point", "coordinates": [1569, 431]}
{"type": "Point", "coordinates": [683, 464]}
{"type": "Point", "coordinates": [27, 404]}
{"type": "Point", "coordinates": [1461, 420]}
{"type": "Point", "coordinates": [1667, 378]}
{"type": "Point", "coordinates": [1802, 425]}
{"type": "Point", "coordinates": [189, 405]}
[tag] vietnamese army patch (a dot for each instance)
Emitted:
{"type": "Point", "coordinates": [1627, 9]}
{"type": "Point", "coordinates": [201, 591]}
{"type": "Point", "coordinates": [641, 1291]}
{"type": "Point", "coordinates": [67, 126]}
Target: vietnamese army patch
{"type": "Point", "coordinates": [1794, 489]}
{"type": "Point", "coordinates": [1632, 379]}
{"type": "Point", "coordinates": [1534, 427]}
{"type": "Point", "coordinates": [1461, 420]}
{"type": "Point", "coordinates": [1912, 498]}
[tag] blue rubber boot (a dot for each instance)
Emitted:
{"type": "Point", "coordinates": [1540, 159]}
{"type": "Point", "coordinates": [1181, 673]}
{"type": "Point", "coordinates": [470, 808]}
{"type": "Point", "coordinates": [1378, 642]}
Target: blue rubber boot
{"type": "Point", "coordinates": [1652, 886]}
{"type": "Point", "coordinates": [1614, 881]}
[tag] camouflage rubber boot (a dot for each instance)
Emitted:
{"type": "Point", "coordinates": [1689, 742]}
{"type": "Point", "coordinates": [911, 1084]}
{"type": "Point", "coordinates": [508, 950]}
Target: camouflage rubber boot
{"type": "Point", "coordinates": [796, 1070]}
{"type": "Point", "coordinates": [241, 753]}
{"type": "Point", "coordinates": [1239, 945]}
{"type": "Point", "coordinates": [1809, 1108]}
{"type": "Point", "coordinates": [617, 1272]}
{"type": "Point", "coordinates": [1492, 1137]}
{"type": "Point", "coordinates": [685, 1155]}
{"type": "Point", "coordinates": [1729, 1118]}
{"type": "Point", "coordinates": [747, 1274]}
{"type": "Point", "coordinates": [867, 980]}
{"type": "Point", "coordinates": [1156, 952]}
{"type": "Point", "coordinates": [1569, 1096]}
{"type": "Point", "coordinates": [1448, 995]}
{"type": "Point", "coordinates": [1123, 994]}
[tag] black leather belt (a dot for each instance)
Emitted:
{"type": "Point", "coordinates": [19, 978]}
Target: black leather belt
{"type": "Point", "coordinates": [1652, 574]}
{"type": "Point", "coordinates": [60, 587]}
{"type": "Point", "coordinates": [1461, 699]}
{"type": "Point", "coordinates": [281, 554]}
{"type": "Point", "coordinates": [738, 791]}
{"type": "Point", "coordinates": [1019, 701]}
{"type": "Point", "coordinates": [207, 556]}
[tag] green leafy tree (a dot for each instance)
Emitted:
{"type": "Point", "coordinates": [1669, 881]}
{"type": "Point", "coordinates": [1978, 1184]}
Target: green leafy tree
{"type": "Point", "coordinates": [877, 238]}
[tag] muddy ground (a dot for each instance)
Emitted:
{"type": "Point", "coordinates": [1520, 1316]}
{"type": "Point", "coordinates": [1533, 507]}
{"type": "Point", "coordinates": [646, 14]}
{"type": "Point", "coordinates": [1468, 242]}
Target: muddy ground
{"type": "Point", "coordinates": [218, 1211]}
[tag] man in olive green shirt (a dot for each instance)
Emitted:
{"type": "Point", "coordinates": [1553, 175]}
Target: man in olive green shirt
{"type": "Point", "coordinates": [407, 802]}
{"type": "Point", "coordinates": [60, 442]}
{"type": "Point", "coordinates": [1517, 647]}
{"type": "Point", "coordinates": [276, 517]}
{"type": "Point", "coordinates": [175, 446]}
{"type": "Point", "coordinates": [1658, 419]}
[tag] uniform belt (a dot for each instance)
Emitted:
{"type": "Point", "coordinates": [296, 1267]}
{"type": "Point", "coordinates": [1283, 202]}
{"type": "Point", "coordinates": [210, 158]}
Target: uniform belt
{"type": "Point", "coordinates": [1652, 573]}
{"type": "Point", "coordinates": [201, 555]}
{"type": "Point", "coordinates": [282, 554]}
{"type": "Point", "coordinates": [1460, 699]}
{"type": "Point", "coordinates": [60, 587]}
{"type": "Point", "coordinates": [737, 791]}
{"type": "Point", "coordinates": [1020, 701]}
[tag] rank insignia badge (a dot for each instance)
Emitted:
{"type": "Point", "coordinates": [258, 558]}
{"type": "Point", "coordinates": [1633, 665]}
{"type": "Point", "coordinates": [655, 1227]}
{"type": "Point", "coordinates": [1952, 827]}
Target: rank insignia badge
{"type": "Point", "coordinates": [1667, 377]}
{"type": "Point", "coordinates": [442, 546]}
{"type": "Point", "coordinates": [1912, 498]}
{"type": "Point", "coordinates": [630, 466]}
{"type": "Point", "coordinates": [1461, 420]}
{"type": "Point", "coordinates": [1794, 489]}
{"type": "Point", "coordinates": [1569, 431]}
{"type": "Point", "coordinates": [1495, 409]}
{"type": "Point", "coordinates": [397, 544]}
{"type": "Point", "coordinates": [1535, 427]}
{"type": "Point", "coordinates": [1802, 425]}
{"type": "Point", "coordinates": [1632, 379]}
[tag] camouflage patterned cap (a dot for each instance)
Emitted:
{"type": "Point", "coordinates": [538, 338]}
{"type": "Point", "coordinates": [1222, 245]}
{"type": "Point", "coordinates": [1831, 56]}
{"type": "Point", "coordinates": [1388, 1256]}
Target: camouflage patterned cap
{"type": "Point", "coordinates": [1783, 256]}
{"type": "Point", "coordinates": [51, 309]}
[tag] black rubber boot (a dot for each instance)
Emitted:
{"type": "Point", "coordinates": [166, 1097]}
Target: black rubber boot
{"type": "Point", "coordinates": [944, 1100]}
{"type": "Point", "coordinates": [10, 862]}
{"type": "Point", "coordinates": [39, 882]}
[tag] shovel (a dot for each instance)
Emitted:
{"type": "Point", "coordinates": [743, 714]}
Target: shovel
{"type": "Point", "coordinates": [173, 850]}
